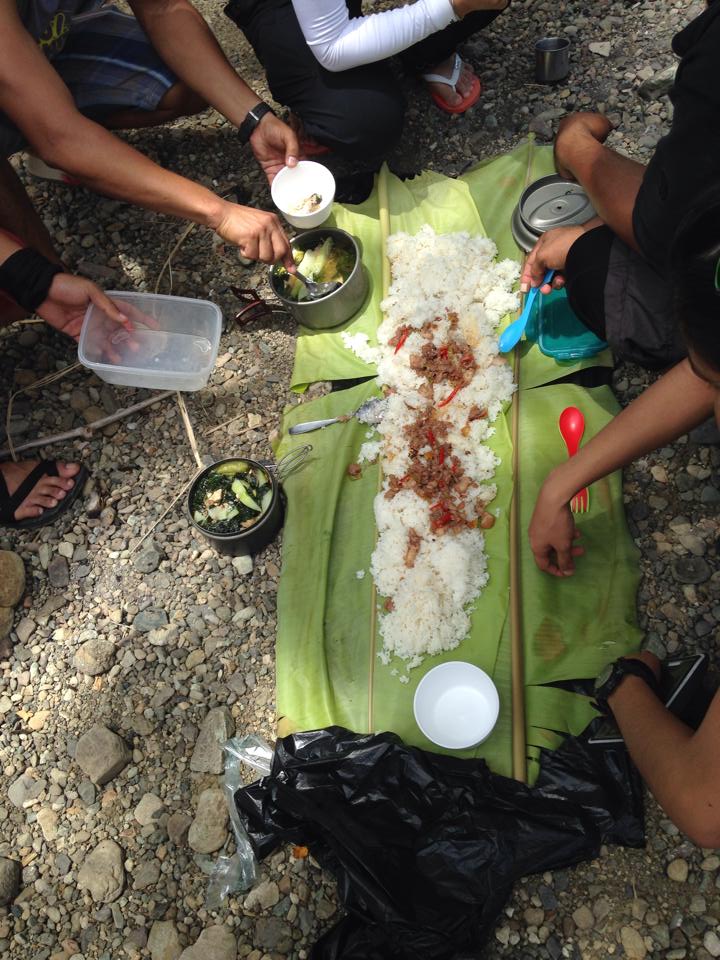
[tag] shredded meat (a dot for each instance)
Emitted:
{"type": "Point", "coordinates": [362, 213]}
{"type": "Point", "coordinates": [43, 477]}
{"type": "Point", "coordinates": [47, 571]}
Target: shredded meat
{"type": "Point", "coordinates": [389, 606]}
{"type": "Point", "coordinates": [354, 470]}
{"type": "Point", "coordinates": [477, 413]}
{"type": "Point", "coordinates": [487, 520]}
{"type": "Point", "coordinates": [412, 548]}
{"type": "Point", "coordinates": [453, 363]}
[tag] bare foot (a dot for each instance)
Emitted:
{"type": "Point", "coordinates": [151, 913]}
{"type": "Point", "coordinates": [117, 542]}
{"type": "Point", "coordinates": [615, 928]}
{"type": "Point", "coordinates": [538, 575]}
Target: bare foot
{"type": "Point", "coordinates": [46, 493]}
{"type": "Point", "coordinates": [462, 88]}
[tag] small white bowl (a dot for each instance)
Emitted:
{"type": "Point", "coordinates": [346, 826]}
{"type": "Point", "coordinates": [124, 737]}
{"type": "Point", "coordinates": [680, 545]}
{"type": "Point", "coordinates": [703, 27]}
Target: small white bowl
{"type": "Point", "coordinates": [456, 705]}
{"type": "Point", "coordinates": [293, 184]}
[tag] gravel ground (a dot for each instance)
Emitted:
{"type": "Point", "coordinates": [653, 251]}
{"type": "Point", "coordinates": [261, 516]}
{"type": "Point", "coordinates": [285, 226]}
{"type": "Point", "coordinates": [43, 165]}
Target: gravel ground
{"type": "Point", "coordinates": [110, 639]}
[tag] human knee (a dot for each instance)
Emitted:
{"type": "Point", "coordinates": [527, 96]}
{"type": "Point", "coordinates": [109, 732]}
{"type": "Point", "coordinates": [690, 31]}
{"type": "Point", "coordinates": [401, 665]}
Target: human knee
{"type": "Point", "coordinates": [370, 127]}
{"type": "Point", "coordinates": [181, 101]}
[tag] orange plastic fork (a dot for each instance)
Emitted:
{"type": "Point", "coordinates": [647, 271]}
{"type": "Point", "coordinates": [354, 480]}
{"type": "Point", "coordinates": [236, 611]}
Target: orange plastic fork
{"type": "Point", "coordinates": [572, 428]}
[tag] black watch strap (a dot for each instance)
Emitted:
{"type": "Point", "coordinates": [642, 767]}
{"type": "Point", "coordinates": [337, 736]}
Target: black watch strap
{"type": "Point", "coordinates": [252, 119]}
{"type": "Point", "coordinates": [622, 668]}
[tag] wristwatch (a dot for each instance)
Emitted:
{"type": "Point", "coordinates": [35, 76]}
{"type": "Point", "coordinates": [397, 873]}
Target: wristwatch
{"type": "Point", "coordinates": [252, 119]}
{"type": "Point", "coordinates": [613, 675]}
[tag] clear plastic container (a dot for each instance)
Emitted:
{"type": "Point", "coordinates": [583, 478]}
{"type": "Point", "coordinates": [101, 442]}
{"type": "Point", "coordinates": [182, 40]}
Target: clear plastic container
{"type": "Point", "coordinates": [173, 344]}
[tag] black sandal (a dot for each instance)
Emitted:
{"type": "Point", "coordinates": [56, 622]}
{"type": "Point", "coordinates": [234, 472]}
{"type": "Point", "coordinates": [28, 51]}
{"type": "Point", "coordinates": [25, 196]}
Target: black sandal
{"type": "Point", "coordinates": [10, 503]}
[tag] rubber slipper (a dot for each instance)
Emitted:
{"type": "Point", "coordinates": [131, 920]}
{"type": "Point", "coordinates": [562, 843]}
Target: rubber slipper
{"type": "Point", "coordinates": [9, 503]}
{"type": "Point", "coordinates": [43, 171]}
{"type": "Point", "coordinates": [467, 101]}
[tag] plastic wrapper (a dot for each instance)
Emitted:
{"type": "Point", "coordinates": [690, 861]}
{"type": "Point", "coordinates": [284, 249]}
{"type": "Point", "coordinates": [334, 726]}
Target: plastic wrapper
{"type": "Point", "coordinates": [426, 847]}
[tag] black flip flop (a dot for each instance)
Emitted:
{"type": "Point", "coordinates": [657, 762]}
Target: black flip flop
{"type": "Point", "coordinates": [9, 504]}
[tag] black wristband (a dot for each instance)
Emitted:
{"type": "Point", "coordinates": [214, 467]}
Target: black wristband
{"type": "Point", "coordinates": [253, 118]}
{"type": "Point", "coordinates": [26, 277]}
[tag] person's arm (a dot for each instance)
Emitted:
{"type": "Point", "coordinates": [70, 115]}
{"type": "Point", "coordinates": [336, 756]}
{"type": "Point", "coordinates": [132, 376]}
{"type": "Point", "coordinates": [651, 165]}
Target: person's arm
{"type": "Point", "coordinates": [186, 44]}
{"type": "Point", "coordinates": [65, 297]}
{"type": "Point", "coordinates": [611, 180]}
{"type": "Point", "coordinates": [669, 408]}
{"type": "Point", "coordinates": [550, 253]}
{"type": "Point", "coordinates": [341, 43]}
{"type": "Point", "coordinates": [36, 100]}
{"type": "Point", "coordinates": [680, 766]}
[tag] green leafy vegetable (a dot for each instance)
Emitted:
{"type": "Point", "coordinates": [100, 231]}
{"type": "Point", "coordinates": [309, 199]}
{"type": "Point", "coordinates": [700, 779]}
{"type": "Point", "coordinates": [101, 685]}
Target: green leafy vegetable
{"type": "Point", "coordinates": [231, 497]}
{"type": "Point", "coordinates": [328, 262]}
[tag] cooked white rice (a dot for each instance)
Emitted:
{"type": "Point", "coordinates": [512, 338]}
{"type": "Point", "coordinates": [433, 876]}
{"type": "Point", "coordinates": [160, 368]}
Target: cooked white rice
{"type": "Point", "coordinates": [432, 275]}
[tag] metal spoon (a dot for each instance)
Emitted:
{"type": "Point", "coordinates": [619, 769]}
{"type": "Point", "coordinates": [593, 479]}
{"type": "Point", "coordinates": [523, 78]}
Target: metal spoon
{"type": "Point", "coordinates": [317, 290]}
{"type": "Point", "coordinates": [511, 335]}
{"type": "Point", "coordinates": [371, 412]}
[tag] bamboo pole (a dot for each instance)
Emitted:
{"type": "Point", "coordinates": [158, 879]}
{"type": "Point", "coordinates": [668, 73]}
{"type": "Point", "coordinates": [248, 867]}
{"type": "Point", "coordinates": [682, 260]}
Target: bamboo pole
{"type": "Point", "coordinates": [384, 219]}
{"type": "Point", "coordinates": [517, 659]}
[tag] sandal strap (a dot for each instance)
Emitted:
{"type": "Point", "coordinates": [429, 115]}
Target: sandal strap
{"type": "Point", "coordinates": [9, 503]}
{"type": "Point", "coordinates": [450, 81]}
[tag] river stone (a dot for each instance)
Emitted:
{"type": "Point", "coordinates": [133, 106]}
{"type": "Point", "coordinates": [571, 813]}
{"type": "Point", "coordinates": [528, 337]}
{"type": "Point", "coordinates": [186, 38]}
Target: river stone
{"type": "Point", "coordinates": [177, 827]}
{"type": "Point", "coordinates": [658, 84]}
{"type": "Point", "coordinates": [273, 934]}
{"type": "Point", "coordinates": [209, 828]}
{"type": "Point", "coordinates": [149, 809]}
{"type": "Point", "coordinates": [101, 754]}
{"type": "Point", "coordinates": [23, 789]}
{"type": "Point", "coordinates": [584, 918]}
{"type": "Point", "coordinates": [47, 821]}
{"type": "Point", "coordinates": [633, 944]}
{"type": "Point", "coordinates": [164, 941]}
{"type": "Point", "coordinates": [217, 727]}
{"type": "Point", "coordinates": [148, 558]}
{"type": "Point", "coordinates": [146, 875]}
{"type": "Point", "coordinates": [691, 570]}
{"type": "Point", "coordinates": [677, 870]}
{"type": "Point", "coordinates": [12, 578]}
{"type": "Point", "coordinates": [263, 895]}
{"type": "Point", "coordinates": [9, 880]}
{"type": "Point", "coordinates": [94, 657]}
{"type": "Point", "coordinates": [58, 572]}
{"type": "Point", "coordinates": [215, 943]}
{"type": "Point", "coordinates": [102, 873]}
{"type": "Point", "coordinates": [150, 619]}
{"type": "Point", "coordinates": [7, 616]}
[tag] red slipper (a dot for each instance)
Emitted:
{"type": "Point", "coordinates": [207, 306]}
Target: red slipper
{"type": "Point", "coordinates": [466, 102]}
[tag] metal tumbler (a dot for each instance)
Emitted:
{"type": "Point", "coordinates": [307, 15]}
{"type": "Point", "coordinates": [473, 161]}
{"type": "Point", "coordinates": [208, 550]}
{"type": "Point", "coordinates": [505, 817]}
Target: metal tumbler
{"type": "Point", "coordinates": [552, 59]}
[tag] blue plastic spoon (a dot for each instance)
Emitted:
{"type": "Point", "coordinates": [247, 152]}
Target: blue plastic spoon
{"type": "Point", "coordinates": [511, 335]}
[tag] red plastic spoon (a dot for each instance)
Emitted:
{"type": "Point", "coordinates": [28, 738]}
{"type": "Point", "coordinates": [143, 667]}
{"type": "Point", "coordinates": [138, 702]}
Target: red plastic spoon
{"type": "Point", "coordinates": [572, 428]}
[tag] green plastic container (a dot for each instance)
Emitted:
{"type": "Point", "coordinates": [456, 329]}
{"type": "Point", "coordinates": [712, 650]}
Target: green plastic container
{"type": "Point", "coordinates": [559, 332]}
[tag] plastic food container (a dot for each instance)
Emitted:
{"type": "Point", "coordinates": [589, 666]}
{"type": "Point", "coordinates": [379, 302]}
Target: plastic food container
{"type": "Point", "coordinates": [173, 345]}
{"type": "Point", "coordinates": [561, 334]}
{"type": "Point", "coordinates": [294, 185]}
{"type": "Point", "coordinates": [456, 705]}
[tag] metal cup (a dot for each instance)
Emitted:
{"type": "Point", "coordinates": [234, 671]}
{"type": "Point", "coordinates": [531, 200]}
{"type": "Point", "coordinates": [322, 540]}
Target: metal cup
{"type": "Point", "coordinates": [552, 59]}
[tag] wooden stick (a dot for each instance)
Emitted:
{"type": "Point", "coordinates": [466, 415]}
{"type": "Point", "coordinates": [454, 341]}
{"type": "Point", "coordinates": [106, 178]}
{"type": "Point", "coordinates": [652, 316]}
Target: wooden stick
{"type": "Point", "coordinates": [86, 432]}
{"type": "Point", "coordinates": [189, 429]}
{"type": "Point", "coordinates": [517, 659]}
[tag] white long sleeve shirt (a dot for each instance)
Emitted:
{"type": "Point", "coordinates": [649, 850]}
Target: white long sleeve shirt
{"type": "Point", "coordinates": [340, 43]}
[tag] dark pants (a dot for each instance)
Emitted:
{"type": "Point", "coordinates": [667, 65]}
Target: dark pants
{"type": "Point", "coordinates": [623, 299]}
{"type": "Point", "coordinates": [359, 112]}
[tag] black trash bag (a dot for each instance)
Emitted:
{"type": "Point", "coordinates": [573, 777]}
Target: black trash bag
{"type": "Point", "coordinates": [426, 847]}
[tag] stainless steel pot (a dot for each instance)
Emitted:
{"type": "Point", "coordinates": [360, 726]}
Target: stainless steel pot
{"type": "Point", "coordinates": [257, 537]}
{"type": "Point", "coordinates": [337, 307]}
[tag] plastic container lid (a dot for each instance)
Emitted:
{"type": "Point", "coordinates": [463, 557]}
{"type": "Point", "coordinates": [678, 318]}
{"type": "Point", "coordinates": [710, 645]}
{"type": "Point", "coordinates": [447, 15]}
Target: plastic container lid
{"type": "Point", "coordinates": [561, 334]}
{"type": "Point", "coordinates": [173, 345]}
{"type": "Point", "coordinates": [548, 203]}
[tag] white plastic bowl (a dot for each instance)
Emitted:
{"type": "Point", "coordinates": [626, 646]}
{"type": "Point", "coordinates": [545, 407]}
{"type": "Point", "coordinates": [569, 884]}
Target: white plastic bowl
{"type": "Point", "coordinates": [293, 184]}
{"type": "Point", "coordinates": [173, 345]}
{"type": "Point", "coordinates": [456, 705]}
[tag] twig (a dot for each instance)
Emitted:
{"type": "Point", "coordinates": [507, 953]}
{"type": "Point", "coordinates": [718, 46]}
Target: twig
{"type": "Point", "coordinates": [50, 378]}
{"type": "Point", "coordinates": [189, 429]}
{"type": "Point", "coordinates": [227, 423]}
{"type": "Point", "coordinates": [86, 432]}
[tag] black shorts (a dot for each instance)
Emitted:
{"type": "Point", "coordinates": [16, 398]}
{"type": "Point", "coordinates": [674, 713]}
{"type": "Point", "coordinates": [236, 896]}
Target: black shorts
{"type": "Point", "coordinates": [623, 299]}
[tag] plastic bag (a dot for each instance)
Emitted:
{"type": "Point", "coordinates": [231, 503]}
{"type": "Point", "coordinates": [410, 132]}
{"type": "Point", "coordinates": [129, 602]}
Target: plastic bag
{"type": "Point", "coordinates": [426, 847]}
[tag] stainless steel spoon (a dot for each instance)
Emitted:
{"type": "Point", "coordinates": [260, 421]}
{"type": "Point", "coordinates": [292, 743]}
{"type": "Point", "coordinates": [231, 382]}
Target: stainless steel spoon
{"type": "Point", "coordinates": [317, 290]}
{"type": "Point", "coordinates": [371, 412]}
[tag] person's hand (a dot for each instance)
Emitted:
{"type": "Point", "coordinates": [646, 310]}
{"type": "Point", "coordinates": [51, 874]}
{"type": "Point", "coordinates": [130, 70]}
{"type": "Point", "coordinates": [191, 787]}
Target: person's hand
{"type": "Point", "coordinates": [463, 7]}
{"type": "Point", "coordinates": [67, 301]}
{"type": "Point", "coordinates": [275, 145]}
{"type": "Point", "coordinates": [575, 132]}
{"type": "Point", "coordinates": [553, 534]}
{"type": "Point", "coordinates": [549, 253]}
{"type": "Point", "coordinates": [258, 235]}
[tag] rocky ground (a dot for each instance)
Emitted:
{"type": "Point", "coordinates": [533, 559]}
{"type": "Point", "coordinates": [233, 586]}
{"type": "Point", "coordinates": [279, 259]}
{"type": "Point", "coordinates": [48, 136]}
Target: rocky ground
{"type": "Point", "coordinates": [131, 659]}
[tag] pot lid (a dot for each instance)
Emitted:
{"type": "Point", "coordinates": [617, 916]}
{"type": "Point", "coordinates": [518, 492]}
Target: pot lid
{"type": "Point", "coordinates": [524, 237]}
{"type": "Point", "coordinates": [554, 202]}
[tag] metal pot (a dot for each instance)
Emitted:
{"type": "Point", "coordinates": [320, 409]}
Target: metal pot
{"type": "Point", "coordinates": [338, 306]}
{"type": "Point", "coordinates": [547, 203]}
{"type": "Point", "coordinates": [255, 538]}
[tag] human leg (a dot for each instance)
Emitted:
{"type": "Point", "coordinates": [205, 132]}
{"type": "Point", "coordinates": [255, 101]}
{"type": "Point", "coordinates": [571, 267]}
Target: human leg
{"type": "Point", "coordinates": [358, 113]}
{"type": "Point", "coordinates": [31, 488]}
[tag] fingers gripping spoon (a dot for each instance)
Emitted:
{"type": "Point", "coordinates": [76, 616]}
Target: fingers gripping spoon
{"type": "Point", "coordinates": [511, 335]}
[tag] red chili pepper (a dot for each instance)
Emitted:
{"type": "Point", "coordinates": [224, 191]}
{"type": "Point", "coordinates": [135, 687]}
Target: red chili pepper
{"type": "Point", "coordinates": [441, 456]}
{"type": "Point", "coordinates": [403, 337]}
{"type": "Point", "coordinates": [453, 468]}
{"type": "Point", "coordinates": [444, 403]}
{"type": "Point", "coordinates": [437, 506]}
{"type": "Point", "coordinates": [443, 352]}
{"type": "Point", "coordinates": [467, 359]}
{"type": "Point", "coordinates": [431, 438]}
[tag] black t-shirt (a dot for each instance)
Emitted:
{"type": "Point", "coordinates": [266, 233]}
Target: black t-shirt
{"type": "Point", "coordinates": [686, 161]}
